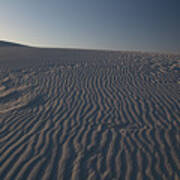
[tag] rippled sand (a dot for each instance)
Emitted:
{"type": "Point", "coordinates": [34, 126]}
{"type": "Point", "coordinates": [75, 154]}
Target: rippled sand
{"type": "Point", "coordinates": [79, 114]}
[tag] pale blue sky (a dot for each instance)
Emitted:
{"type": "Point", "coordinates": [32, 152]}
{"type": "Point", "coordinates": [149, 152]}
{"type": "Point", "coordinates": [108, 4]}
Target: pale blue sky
{"type": "Point", "coordinates": [147, 25]}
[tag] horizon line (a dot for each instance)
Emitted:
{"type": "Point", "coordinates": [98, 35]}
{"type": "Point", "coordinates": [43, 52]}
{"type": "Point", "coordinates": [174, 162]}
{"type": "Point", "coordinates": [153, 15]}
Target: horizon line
{"type": "Point", "coordinates": [88, 49]}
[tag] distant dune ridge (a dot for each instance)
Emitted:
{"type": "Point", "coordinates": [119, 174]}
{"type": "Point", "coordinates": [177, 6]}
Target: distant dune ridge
{"type": "Point", "coordinates": [10, 44]}
{"type": "Point", "coordinates": [82, 114]}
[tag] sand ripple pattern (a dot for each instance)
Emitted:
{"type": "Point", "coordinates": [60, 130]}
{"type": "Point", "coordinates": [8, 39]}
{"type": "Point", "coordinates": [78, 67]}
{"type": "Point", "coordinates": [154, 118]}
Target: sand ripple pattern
{"type": "Point", "coordinates": [91, 115]}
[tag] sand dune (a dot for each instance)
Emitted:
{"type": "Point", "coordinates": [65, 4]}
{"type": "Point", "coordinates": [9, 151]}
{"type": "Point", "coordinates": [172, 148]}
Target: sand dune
{"type": "Point", "coordinates": [81, 114]}
{"type": "Point", "coordinates": [10, 44]}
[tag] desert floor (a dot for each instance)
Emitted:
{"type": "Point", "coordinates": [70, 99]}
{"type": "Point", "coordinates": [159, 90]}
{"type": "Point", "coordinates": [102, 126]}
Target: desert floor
{"type": "Point", "coordinates": [82, 114]}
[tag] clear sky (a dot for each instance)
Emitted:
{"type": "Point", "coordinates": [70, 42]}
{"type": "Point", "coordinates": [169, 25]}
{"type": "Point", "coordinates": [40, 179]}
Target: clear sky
{"type": "Point", "coordinates": [146, 25]}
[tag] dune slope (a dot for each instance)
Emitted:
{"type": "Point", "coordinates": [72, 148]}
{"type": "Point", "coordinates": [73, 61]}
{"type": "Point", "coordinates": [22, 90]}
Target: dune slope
{"type": "Point", "coordinates": [79, 114]}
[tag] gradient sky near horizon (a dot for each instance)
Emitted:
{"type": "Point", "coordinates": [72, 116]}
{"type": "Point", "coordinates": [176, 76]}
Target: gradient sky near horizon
{"type": "Point", "coordinates": [146, 25]}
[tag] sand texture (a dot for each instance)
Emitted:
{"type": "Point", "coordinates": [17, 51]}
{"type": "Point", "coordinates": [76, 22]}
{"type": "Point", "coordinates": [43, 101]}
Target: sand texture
{"type": "Point", "coordinates": [81, 114]}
